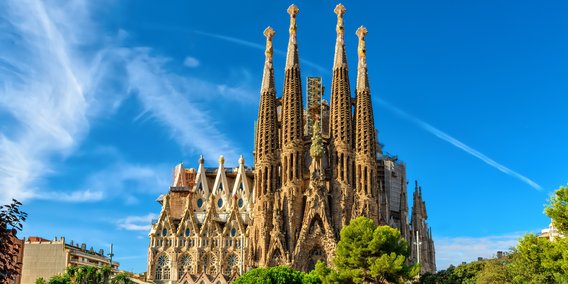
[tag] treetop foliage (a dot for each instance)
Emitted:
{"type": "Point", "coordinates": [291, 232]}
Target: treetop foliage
{"type": "Point", "coordinates": [11, 221]}
{"type": "Point", "coordinates": [532, 260]}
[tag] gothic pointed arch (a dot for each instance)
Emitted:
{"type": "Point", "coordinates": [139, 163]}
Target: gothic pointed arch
{"type": "Point", "coordinates": [162, 269]}
{"type": "Point", "coordinates": [221, 189]}
{"type": "Point", "coordinates": [201, 188]}
{"type": "Point", "coordinates": [242, 188]}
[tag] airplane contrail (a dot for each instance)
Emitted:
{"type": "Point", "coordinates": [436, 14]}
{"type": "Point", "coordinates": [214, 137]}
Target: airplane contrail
{"type": "Point", "coordinates": [259, 47]}
{"type": "Point", "coordinates": [455, 142]}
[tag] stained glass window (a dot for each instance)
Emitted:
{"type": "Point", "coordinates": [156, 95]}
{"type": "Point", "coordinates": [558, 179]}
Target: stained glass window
{"type": "Point", "coordinates": [162, 268]}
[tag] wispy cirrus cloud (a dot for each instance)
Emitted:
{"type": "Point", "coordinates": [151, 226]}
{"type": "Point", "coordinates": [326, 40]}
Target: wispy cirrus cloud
{"type": "Point", "coordinates": [455, 250]}
{"type": "Point", "coordinates": [57, 76]}
{"type": "Point", "coordinates": [73, 196]}
{"type": "Point", "coordinates": [262, 47]}
{"type": "Point", "coordinates": [136, 223]}
{"type": "Point", "coordinates": [457, 143]}
{"type": "Point", "coordinates": [42, 91]}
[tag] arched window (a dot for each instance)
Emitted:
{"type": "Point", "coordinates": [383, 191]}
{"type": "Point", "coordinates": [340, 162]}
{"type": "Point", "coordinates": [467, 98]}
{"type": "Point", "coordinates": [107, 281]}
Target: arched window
{"type": "Point", "coordinates": [185, 265]}
{"type": "Point", "coordinates": [162, 268]}
{"type": "Point", "coordinates": [205, 262]}
{"type": "Point", "coordinates": [232, 262]}
{"type": "Point", "coordinates": [167, 273]}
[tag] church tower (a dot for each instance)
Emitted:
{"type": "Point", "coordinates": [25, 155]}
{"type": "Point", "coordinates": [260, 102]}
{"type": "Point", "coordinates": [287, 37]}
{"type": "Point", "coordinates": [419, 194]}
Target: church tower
{"type": "Point", "coordinates": [366, 185]}
{"type": "Point", "coordinates": [423, 251]}
{"type": "Point", "coordinates": [266, 162]}
{"type": "Point", "coordinates": [341, 131]}
{"type": "Point", "coordinates": [304, 186]}
{"type": "Point", "coordinates": [292, 138]}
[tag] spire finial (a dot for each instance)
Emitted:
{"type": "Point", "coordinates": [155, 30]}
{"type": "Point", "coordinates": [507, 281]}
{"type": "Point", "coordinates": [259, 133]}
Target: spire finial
{"type": "Point", "coordinates": [201, 160]}
{"type": "Point", "coordinates": [339, 10]}
{"type": "Point", "coordinates": [362, 80]}
{"type": "Point", "coordinates": [292, 53]}
{"type": "Point", "coordinates": [340, 58]}
{"type": "Point", "coordinates": [241, 160]}
{"type": "Point", "coordinates": [361, 33]}
{"type": "Point", "coordinates": [268, 74]}
{"type": "Point", "coordinates": [269, 33]}
{"type": "Point", "coordinates": [293, 11]}
{"type": "Point", "coordinates": [221, 160]}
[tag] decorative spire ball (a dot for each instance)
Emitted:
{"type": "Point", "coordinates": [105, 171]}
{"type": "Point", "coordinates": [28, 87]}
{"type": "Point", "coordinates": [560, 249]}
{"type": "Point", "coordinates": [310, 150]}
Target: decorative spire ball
{"type": "Point", "coordinates": [221, 160]}
{"type": "Point", "coordinates": [241, 160]}
{"type": "Point", "coordinates": [201, 160]}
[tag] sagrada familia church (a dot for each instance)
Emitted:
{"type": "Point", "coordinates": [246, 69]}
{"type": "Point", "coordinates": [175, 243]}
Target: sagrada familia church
{"type": "Point", "coordinates": [315, 169]}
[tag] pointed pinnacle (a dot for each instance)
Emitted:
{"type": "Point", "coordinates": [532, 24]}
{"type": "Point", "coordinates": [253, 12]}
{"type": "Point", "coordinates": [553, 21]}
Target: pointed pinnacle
{"type": "Point", "coordinates": [361, 33]}
{"type": "Point", "coordinates": [293, 11]}
{"type": "Point", "coordinates": [269, 33]}
{"type": "Point", "coordinates": [339, 10]}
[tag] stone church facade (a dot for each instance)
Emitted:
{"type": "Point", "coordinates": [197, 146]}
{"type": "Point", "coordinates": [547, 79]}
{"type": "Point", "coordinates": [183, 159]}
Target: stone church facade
{"type": "Point", "coordinates": [315, 169]}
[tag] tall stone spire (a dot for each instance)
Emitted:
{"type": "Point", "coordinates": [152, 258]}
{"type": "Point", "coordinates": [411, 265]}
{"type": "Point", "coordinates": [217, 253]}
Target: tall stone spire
{"type": "Point", "coordinates": [366, 186]}
{"type": "Point", "coordinates": [292, 135]}
{"type": "Point", "coordinates": [266, 161]}
{"type": "Point", "coordinates": [422, 250]}
{"type": "Point", "coordinates": [341, 127]}
{"type": "Point", "coordinates": [292, 116]}
{"type": "Point", "coordinates": [267, 132]}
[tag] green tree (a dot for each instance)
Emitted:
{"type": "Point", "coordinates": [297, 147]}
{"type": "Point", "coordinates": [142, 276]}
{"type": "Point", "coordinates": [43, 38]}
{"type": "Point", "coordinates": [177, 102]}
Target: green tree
{"type": "Point", "coordinates": [367, 253]}
{"type": "Point", "coordinates": [11, 221]}
{"type": "Point", "coordinates": [121, 278]}
{"type": "Point", "coordinates": [276, 275]}
{"type": "Point", "coordinates": [326, 274]}
{"type": "Point", "coordinates": [496, 270]}
{"type": "Point", "coordinates": [557, 209]}
{"type": "Point", "coordinates": [83, 275]}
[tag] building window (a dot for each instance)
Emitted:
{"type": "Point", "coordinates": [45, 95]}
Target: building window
{"type": "Point", "coordinates": [199, 202]}
{"type": "Point", "coordinates": [187, 232]}
{"type": "Point", "coordinates": [231, 264]}
{"type": "Point", "coordinates": [164, 232]}
{"type": "Point", "coordinates": [220, 203]}
{"type": "Point", "coordinates": [184, 265]}
{"type": "Point", "coordinates": [233, 232]}
{"type": "Point", "coordinates": [167, 273]}
{"type": "Point", "coordinates": [162, 268]}
{"type": "Point", "coordinates": [240, 202]}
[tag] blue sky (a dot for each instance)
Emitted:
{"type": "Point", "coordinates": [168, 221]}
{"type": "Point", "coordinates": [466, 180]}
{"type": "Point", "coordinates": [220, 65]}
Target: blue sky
{"type": "Point", "coordinates": [100, 99]}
